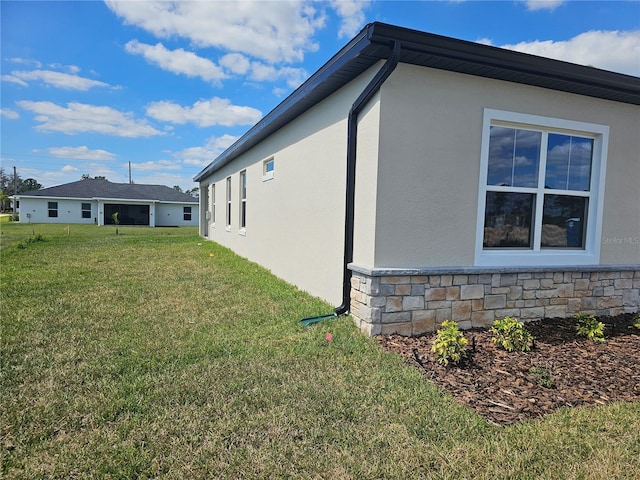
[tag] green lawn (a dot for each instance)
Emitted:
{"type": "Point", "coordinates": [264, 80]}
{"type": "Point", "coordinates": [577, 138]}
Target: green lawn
{"type": "Point", "coordinates": [141, 355]}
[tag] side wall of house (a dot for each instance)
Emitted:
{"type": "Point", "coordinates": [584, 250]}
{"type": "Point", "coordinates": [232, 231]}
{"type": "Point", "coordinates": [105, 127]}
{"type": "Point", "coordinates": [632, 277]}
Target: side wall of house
{"type": "Point", "coordinates": [294, 223]}
{"type": "Point", "coordinates": [36, 210]}
{"type": "Point", "coordinates": [422, 267]}
{"type": "Point", "coordinates": [431, 136]}
{"type": "Point", "coordinates": [173, 215]}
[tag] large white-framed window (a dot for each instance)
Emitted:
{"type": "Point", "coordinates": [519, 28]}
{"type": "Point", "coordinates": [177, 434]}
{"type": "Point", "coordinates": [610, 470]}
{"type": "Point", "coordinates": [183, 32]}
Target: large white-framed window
{"type": "Point", "coordinates": [268, 167]}
{"type": "Point", "coordinates": [243, 201]}
{"type": "Point", "coordinates": [228, 206]}
{"type": "Point", "coordinates": [541, 190]}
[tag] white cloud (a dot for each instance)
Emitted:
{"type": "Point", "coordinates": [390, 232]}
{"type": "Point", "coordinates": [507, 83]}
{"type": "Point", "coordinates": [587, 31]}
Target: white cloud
{"type": "Point", "coordinates": [10, 114]}
{"type": "Point", "coordinates": [69, 169]}
{"type": "Point", "coordinates": [58, 79]}
{"type": "Point", "coordinates": [25, 61]}
{"type": "Point", "coordinates": [533, 5]}
{"type": "Point", "coordinates": [159, 178]}
{"type": "Point", "coordinates": [177, 61]}
{"type": "Point", "coordinates": [275, 32]}
{"type": "Point", "coordinates": [80, 153]}
{"type": "Point", "coordinates": [261, 72]}
{"type": "Point", "coordinates": [205, 113]}
{"type": "Point", "coordinates": [161, 165]}
{"type": "Point", "coordinates": [82, 118]}
{"type": "Point", "coordinates": [12, 79]}
{"type": "Point", "coordinates": [236, 63]}
{"type": "Point", "coordinates": [618, 51]}
{"type": "Point", "coordinates": [352, 16]}
{"type": "Point", "coordinates": [201, 156]}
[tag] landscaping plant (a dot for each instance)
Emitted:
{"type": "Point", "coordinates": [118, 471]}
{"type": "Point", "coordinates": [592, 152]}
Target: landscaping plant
{"type": "Point", "coordinates": [542, 376]}
{"type": "Point", "coordinates": [637, 321]}
{"type": "Point", "coordinates": [511, 335]}
{"type": "Point", "coordinates": [449, 345]}
{"type": "Point", "coordinates": [589, 326]}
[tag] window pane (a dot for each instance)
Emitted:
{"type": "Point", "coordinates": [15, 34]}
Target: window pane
{"type": "Point", "coordinates": [268, 166]}
{"type": "Point", "coordinates": [514, 157]}
{"type": "Point", "coordinates": [568, 162]}
{"type": "Point", "coordinates": [507, 220]}
{"type": "Point", "coordinates": [563, 221]}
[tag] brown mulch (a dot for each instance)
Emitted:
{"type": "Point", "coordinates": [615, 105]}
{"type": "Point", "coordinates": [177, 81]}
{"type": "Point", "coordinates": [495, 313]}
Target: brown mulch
{"type": "Point", "coordinates": [501, 387]}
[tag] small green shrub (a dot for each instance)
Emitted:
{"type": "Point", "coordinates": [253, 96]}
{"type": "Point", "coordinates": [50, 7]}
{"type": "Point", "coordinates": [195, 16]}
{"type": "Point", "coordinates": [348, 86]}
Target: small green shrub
{"type": "Point", "coordinates": [511, 335]}
{"type": "Point", "coordinates": [449, 345]}
{"type": "Point", "coordinates": [542, 376]}
{"type": "Point", "coordinates": [589, 326]}
{"type": "Point", "coordinates": [30, 240]}
{"type": "Point", "coordinates": [637, 321]}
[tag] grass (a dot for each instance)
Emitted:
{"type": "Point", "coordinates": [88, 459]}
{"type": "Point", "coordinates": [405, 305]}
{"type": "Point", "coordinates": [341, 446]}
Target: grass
{"type": "Point", "coordinates": [141, 355]}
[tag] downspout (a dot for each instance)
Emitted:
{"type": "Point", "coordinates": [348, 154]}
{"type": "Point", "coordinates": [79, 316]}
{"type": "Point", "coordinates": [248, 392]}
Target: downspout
{"type": "Point", "coordinates": [352, 142]}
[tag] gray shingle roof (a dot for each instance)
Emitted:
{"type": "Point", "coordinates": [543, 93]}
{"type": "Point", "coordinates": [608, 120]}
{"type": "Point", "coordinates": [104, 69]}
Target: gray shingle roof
{"type": "Point", "coordinates": [98, 188]}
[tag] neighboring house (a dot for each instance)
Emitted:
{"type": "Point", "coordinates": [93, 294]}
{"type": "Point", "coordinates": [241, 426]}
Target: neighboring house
{"type": "Point", "coordinates": [416, 178]}
{"type": "Point", "coordinates": [94, 201]}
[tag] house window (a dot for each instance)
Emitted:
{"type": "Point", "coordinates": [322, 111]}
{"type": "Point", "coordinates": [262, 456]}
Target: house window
{"type": "Point", "coordinates": [53, 209]}
{"type": "Point", "coordinates": [213, 204]}
{"type": "Point", "coordinates": [540, 190]}
{"type": "Point", "coordinates": [267, 169]}
{"type": "Point", "coordinates": [86, 210]}
{"type": "Point", "coordinates": [228, 203]}
{"type": "Point", "coordinates": [186, 214]}
{"type": "Point", "coordinates": [243, 199]}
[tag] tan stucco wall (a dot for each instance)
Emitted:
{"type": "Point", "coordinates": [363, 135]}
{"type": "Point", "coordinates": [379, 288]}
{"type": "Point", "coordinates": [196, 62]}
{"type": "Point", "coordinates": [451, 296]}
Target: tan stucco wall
{"type": "Point", "coordinates": [295, 222]}
{"type": "Point", "coordinates": [429, 164]}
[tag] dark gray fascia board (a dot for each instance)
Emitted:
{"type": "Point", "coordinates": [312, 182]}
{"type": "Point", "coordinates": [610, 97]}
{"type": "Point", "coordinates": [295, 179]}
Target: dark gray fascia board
{"type": "Point", "coordinates": [373, 43]}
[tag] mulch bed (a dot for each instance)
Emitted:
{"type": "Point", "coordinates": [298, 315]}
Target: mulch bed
{"type": "Point", "coordinates": [502, 387]}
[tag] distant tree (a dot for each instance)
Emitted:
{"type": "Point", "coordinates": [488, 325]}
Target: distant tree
{"type": "Point", "coordinates": [28, 185]}
{"type": "Point", "coordinates": [10, 185]}
{"type": "Point", "coordinates": [177, 188]}
{"type": "Point", "coordinates": [194, 192]}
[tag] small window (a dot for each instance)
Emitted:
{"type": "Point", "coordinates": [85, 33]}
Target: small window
{"type": "Point", "coordinates": [267, 169]}
{"type": "Point", "coordinates": [86, 210]}
{"type": "Point", "coordinates": [53, 209]}
{"type": "Point", "coordinates": [228, 219]}
{"type": "Point", "coordinates": [186, 214]}
{"type": "Point", "coordinates": [243, 199]}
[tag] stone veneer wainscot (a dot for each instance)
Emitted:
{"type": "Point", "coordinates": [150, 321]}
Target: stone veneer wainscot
{"type": "Point", "coordinates": [415, 301]}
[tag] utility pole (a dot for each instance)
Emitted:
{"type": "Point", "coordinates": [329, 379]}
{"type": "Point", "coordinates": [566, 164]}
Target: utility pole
{"type": "Point", "coordinates": [15, 191]}
{"type": "Point", "coordinates": [130, 172]}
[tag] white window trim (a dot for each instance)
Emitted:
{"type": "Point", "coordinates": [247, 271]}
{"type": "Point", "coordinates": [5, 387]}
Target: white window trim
{"type": "Point", "coordinates": [591, 253]}
{"type": "Point", "coordinates": [212, 195]}
{"type": "Point", "coordinates": [267, 175]}
{"type": "Point", "coordinates": [242, 202]}
{"type": "Point", "coordinates": [227, 205]}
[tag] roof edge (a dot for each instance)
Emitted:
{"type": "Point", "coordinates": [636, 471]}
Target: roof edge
{"type": "Point", "coordinates": [373, 43]}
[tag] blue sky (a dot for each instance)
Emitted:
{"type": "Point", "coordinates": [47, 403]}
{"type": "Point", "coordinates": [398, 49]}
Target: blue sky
{"type": "Point", "coordinates": [88, 87]}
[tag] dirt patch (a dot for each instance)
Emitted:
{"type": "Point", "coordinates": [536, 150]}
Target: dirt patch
{"type": "Point", "coordinates": [561, 370]}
